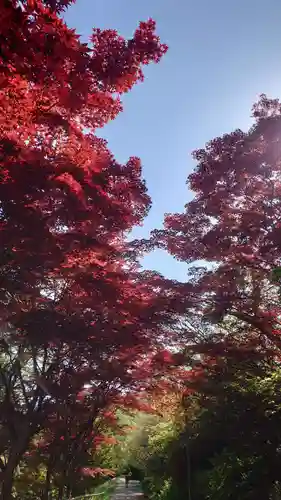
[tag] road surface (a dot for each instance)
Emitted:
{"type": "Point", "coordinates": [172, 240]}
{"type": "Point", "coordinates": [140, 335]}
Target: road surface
{"type": "Point", "coordinates": [133, 492]}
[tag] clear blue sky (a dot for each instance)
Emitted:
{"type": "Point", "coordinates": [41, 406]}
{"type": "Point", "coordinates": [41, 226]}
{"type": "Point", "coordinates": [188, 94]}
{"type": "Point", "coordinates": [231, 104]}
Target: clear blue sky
{"type": "Point", "coordinates": [221, 56]}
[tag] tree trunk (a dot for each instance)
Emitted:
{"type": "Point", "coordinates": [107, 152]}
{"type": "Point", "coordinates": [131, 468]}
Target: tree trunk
{"type": "Point", "coordinates": [7, 484]}
{"type": "Point", "coordinates": [60, 492]}
{"type": "Point", "coordinates": [68, 492]}
{"type": "Point", "coordinates": [7, 476]}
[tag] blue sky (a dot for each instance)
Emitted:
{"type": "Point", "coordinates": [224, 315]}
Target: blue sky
{"type": "Point", "coordinates": [221, 56]}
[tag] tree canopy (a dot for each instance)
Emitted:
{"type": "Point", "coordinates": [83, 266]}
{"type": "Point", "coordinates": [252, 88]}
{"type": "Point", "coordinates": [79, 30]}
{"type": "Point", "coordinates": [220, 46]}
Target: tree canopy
{"type": "Point", "coordinates": [88, 337]}
{"type": "Point", "coordinates": [76, 313]}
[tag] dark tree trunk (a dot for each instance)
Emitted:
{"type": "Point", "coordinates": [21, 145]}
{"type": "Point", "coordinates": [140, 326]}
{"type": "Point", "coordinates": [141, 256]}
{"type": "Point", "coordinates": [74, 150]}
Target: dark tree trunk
{"type": "Point", "coordinates": [7, 484]}
{"type": "Point", "coordinates": [17, 450]}
{"type": "Point", "coordinates": [60, 492]}
{"type": "Point", "coordinates": [69, 492]}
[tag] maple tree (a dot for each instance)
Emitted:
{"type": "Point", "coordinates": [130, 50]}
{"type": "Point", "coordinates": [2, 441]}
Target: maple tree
{"type": "Point", "coordinates": [75, 313]}
{"type": "Point", "coordinates": [232, 224]}
{"type": "Point", "coordinates": [66, 451]}
{"type": "Point", "coordinates": [82, 329]}
{"type": "Point", "coordinates": [231, 323]}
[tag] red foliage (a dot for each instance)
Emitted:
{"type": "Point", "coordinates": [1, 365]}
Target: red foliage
{"type": "Point", "coordinates": [71, 300]}
{"type": "Point", "coordinates": [233, 223]}
{"type": "Point", "coordinates": [97, 471]}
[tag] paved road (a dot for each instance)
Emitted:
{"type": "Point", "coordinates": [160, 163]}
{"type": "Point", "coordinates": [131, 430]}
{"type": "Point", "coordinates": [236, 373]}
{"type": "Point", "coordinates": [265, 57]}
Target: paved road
{"type": "Point", "coordinates": [133, 492]}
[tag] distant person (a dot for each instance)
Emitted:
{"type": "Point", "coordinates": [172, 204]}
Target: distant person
{"type": "Point", "coordinates": [127, 478]}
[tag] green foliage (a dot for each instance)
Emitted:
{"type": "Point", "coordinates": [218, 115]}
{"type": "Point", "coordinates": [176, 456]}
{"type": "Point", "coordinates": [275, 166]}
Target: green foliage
{"type": "Point", "coordinates": [229, 448]}
{"type": "Point", "coordinates": [232, 476]}
{"type": "Point", "coordinates": [233, 444]}
{"type": "Point", "coordinates": [276, 274]}
{"type": "Point", "coordinates": [142, 445]}
{"type": "Point", "coordinates": [105, 490]}
{"type": "Point", "coordinates": [149, 450]}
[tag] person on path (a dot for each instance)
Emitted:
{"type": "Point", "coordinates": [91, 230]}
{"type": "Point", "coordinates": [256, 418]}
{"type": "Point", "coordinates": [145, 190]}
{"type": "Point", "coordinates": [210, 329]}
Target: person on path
{"type": "Point", "coordinates": [127, 478]}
